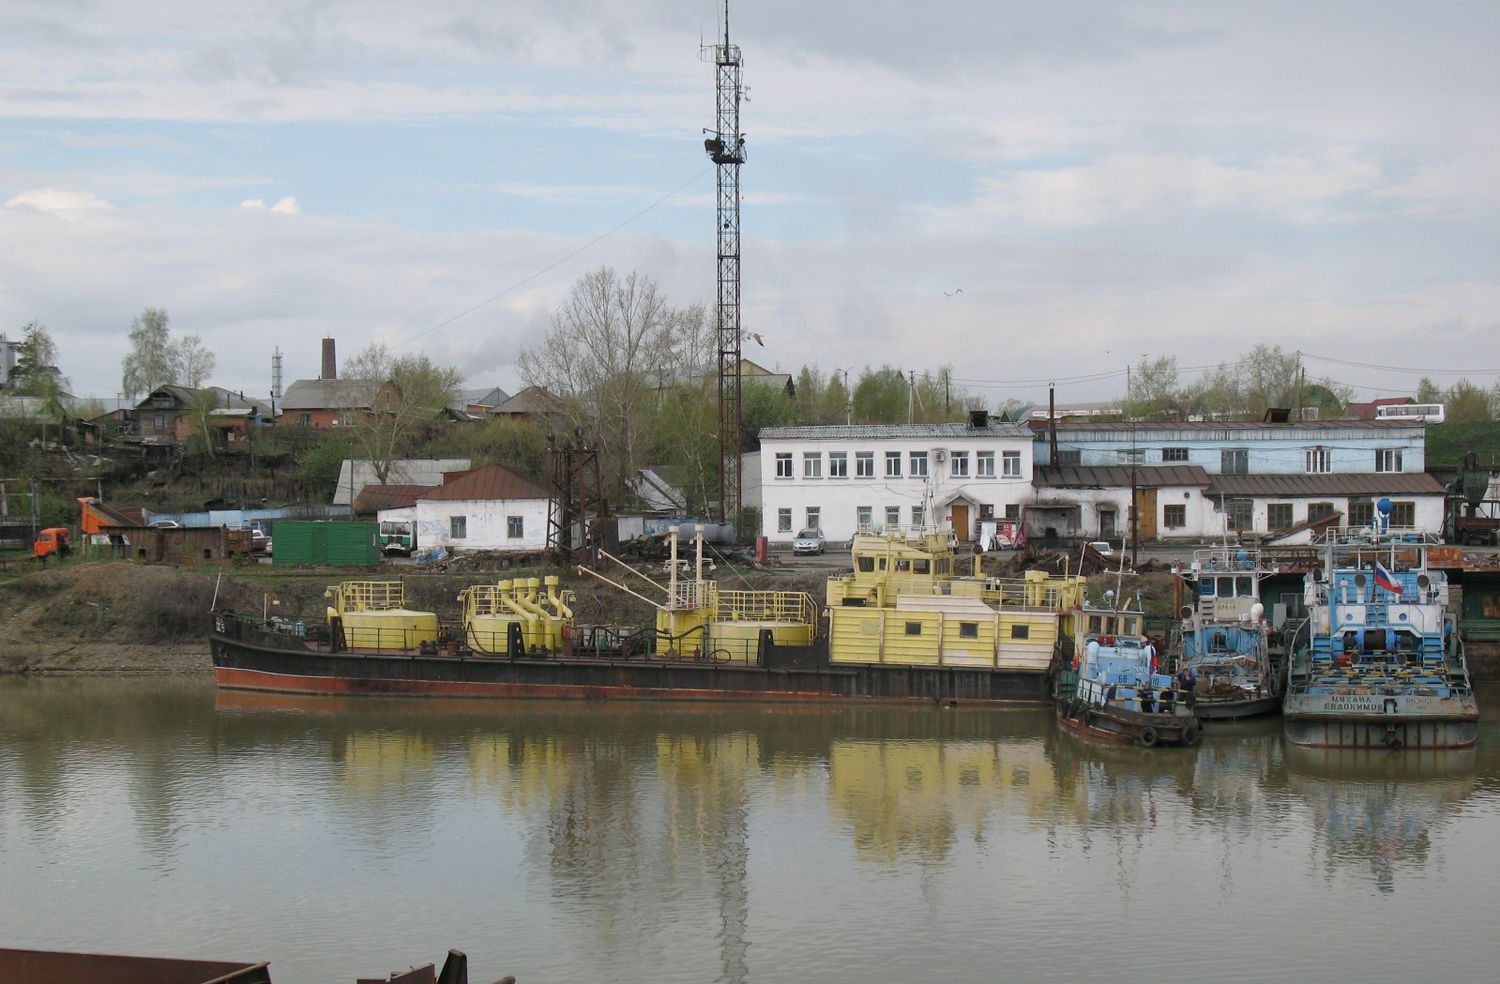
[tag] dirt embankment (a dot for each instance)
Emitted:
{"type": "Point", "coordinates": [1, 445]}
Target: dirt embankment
{"type": "Point", "coordinates": [121, 617]}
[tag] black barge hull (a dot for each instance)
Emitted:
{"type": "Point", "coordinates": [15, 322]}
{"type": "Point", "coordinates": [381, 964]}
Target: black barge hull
{"type": "Point", "coordinates": [242, 662]}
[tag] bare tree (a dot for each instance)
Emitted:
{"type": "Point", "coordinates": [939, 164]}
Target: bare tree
{"type": "Point", "coordinates": [608, 350]}
{"type": "Point", "coordinates": [194, 363]}
{"type": "Point", "coordinates": [391, 401]}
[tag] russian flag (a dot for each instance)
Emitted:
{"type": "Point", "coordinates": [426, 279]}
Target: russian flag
{"type": "Point", "coordinates": [1384, 579]}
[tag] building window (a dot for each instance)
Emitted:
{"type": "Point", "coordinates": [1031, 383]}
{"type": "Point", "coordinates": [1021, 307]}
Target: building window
{"type": "Point", "coordinates": [515, 527]}
{"type": "Point", "coordinates": [1240, 513]}
{"type": "Point", "coordinates": [919, 464]}
{"type": "Point", "coordinates": [913, 628]}
{"type": "Point", "coordinates": [968, 630]}
{"type": "Point", "coordinates": [958, 464]}
{"type": "Point", "coordinates": [458, 527]}
{"type": "Point", "coordinates": [1174, 454]}
{"type": "Point", "coordinates": [812, 464]}
{"type": "Point", "coordinates": [1174, 517]}
{"type": "Point", "coordinates": [1361, 512]}
{"type": "Point", "coordinates": [1020, 632]}
{"type": "Point", "coordinates": [1319, 510]}
{"type": "Point", "coordinates": [814, 517]}
{"type": "Point", "coordinates": [305, 419]}
{"type": "Point", "coordinates": [864, 464]}
{"type": "Point", "coordinates": [1013, 510]}
{"type": "Point", "coordinates": [918, 517]}
{"type": "Point", "coordinates": [1319, 460]}
{"type": "Point", "coordinates": [1010, 464]}
{"type": "Point", "coordinates": [893, 515]}
{"type": "Point", "coordinates": [1070, 457]}
{"type": "Point", "coordinates": [783, 464]}
{"type": "Point", "coordinates": [893, 464]}
{"type": "Point", "coordinates": [783, 521]}
{"type": "Point", "coordinates": [1234, 462]}
{"type": "Point", "coordinates": [986, 511]}
{"type": "Point", "coordinates": [838, 464]}
{"type": "Point", "coordinates": [1403, 514]}
{"type": "Point", "coordinates": [1127, 456]}
{"type": "Point", "coordinates": [984, 464]}
{"type": "Point", "coordinates": [863, 517]}
{"type": "Point", "coordinates": [1279, 516]}
{"type": "Point", "coordinates": [159, 421]}
{"type": "Point", "coordinates": [1388, 460]}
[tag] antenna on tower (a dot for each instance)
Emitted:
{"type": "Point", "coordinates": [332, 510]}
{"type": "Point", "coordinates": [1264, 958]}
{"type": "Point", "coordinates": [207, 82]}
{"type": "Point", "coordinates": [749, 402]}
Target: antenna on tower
{"type": "Point", "coordinates": [276, 374]}
{"type": "Point", "coordinates": [725, 146]}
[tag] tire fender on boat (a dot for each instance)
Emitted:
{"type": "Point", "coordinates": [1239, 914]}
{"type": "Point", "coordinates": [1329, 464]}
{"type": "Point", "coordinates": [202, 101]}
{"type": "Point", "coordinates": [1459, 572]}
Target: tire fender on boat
{"type": "Point", "coordinates": [1148, 737]}
{"type": "Point", "coordinates": [1190, 735]}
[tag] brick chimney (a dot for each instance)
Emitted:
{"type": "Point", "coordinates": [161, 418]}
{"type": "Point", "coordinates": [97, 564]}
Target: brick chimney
{"type": "Point", "coordinates": [330, 361]}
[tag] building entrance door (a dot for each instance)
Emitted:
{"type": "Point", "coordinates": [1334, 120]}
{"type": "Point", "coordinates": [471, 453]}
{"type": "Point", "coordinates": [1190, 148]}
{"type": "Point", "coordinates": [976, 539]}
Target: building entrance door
{"type": "Point", "coordinates": [960, 514]}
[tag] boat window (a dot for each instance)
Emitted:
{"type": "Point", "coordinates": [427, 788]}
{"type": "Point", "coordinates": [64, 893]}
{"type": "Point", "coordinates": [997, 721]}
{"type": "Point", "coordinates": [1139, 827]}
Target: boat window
{"type": "Point", "coordinates": [1111, 626]}
{"type": "Point", "coordinates": [1226, 587]}
{"type": "Point", "coordinates": [1020, 632]}
{"type": "Point", "coordinates": [1206, 588]}
{"type": "Point", "coordinates": [1094, 624]}
{"type": "Point", "coordinates": [902, 564]}
{"type": "Point", "coordinates": [968, 630]}
{"type": "Point", "coordinates": [866, 564]}
{"type": "Point", "coordinates": [914, 628]}
{"type": "Point", "coordinates": [942, 567]}
{"type": "Point", "coordinates": [1244, 587]}
{"type": "Point", "coordinates": [922, 565]}
{"type": "Point", "coordinates": [882, 563]}
{"type": "Point", "coordinates": [1127, 626]}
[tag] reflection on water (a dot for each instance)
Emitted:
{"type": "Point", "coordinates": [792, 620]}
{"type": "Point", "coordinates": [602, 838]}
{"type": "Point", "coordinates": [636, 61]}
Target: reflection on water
{"type": "Point", "coordinates": [572, 841]}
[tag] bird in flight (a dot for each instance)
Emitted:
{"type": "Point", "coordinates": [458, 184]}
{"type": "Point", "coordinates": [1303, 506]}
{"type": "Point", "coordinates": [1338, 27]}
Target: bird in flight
{"type": "Point", "coordinates": [950, 293]}
{"type": "Point", "coordinates": [756, 336]}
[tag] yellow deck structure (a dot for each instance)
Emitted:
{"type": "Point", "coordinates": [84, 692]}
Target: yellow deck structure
{"type": "Point", "coordinates": [904, 604]}
{"type": "Point", "coordinates": [542, 613]}
{"type": "Point", "coordinates": [373, 615]}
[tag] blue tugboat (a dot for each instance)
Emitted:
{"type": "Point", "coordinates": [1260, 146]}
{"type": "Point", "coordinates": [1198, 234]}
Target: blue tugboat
{"type": "Point", "coordinates": [1112, 690]}
{"type": "Point", "coordinates": [1380, 662]}
{"type": "Point", "coordinates": [1223, 638]}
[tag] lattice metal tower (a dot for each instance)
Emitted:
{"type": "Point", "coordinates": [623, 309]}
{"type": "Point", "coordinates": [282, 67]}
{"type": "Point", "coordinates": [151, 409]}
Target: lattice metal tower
{"type": "Point", "coordinates": [726, 148]}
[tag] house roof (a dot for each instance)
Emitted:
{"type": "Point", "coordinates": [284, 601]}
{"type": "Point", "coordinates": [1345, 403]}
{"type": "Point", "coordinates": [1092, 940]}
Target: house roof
{"type": "Point", "coordinates": [324, 394]}
{"type": "Point", "coordinates": [1336, 484]}
{"type": "Point", "coordinates": [373, 498]}
{"type": "Point", "coordinates": [532, 399]}
{"type": "Point", "coordinates": [231, 400]}
{"type": "Point", "coordinates": [488, 482]}
{"type": "Point", "coordinates": [181, 394]}
{"type": "Point", "coordinates": [851, 432]}
{"type": "Point", "coordinates": [1119, 476]}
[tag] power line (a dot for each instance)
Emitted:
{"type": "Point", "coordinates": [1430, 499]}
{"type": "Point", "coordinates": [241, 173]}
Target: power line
{"type": "Point", "coordinates": [553, 265]}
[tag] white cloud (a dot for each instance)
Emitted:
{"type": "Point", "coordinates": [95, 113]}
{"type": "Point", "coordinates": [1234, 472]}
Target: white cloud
{"type": "Point", "coordinates": [286, 206]}
{"type": "Point", "coordinates": [58, 201]}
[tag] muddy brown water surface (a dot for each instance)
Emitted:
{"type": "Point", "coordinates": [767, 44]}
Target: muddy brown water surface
{"type": "Point", "coordinates": [654, 842]}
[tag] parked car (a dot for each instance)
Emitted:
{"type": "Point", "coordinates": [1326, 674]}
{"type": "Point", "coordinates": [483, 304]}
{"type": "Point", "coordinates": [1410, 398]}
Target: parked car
{"type": "Point", "coordinates": [268, 546]}
{"type": "Point", "coordinates": [165, 524]}
{"type": "Point", "coordinates": [809, 542]}
{"type": "Point", "coordinates": [259, 542]}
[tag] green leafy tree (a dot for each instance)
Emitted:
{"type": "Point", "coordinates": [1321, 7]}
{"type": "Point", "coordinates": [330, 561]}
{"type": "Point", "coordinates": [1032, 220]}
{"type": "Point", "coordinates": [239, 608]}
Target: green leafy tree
{"type": "Point", "coordinates": [516, 444]}
{"type": "Point", "coordinates": [151, 362]}
{"type": "Point", "coordinates": [199, 415]}
{"type": "Point", "coordinates": [764, 406]}
{"type": "Point", "coordinates": [1467, 403]}
{"type": "Point", "coordinates": [396, 403]}
{"type": "Point", "coordinates": [35, 372]}
{"type": "Point", "coordinates": [1428, 391]}
{"type": "Point", "coordinates": [318, 466]}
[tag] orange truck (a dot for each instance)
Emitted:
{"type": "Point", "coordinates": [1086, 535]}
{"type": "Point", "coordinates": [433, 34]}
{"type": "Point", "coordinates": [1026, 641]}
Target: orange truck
{"type": "Point", "coordinates": [53, 540]}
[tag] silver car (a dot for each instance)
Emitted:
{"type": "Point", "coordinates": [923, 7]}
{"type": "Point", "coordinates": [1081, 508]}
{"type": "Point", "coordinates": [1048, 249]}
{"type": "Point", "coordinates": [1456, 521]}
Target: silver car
{"type": "Point", "coordinates": [809, 542]}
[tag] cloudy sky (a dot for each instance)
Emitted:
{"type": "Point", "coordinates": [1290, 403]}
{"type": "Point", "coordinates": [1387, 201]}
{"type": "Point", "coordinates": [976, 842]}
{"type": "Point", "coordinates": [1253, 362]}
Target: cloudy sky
{"type": "Point", "coordinates": [1100, 180]}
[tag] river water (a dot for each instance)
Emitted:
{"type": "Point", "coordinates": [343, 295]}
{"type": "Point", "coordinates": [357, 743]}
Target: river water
{"type": "Point", "coordinates": [566, 842]}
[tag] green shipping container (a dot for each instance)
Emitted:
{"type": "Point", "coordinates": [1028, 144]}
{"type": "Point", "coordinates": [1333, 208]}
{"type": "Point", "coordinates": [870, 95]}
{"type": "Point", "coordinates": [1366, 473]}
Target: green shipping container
{"type": "Point", "coordinates": [300, 542]}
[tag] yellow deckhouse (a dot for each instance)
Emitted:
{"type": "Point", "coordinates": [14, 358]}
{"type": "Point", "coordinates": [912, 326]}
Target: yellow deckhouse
{"type": "Point", "coordinates": [905, 604]}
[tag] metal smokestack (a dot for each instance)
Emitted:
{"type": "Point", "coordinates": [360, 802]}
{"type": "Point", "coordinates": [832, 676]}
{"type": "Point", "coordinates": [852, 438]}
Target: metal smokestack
{"type": "Point", "coordinates": [330, 361]}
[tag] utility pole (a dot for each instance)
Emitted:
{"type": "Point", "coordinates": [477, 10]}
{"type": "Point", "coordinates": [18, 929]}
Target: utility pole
{"type": "Point", "coordinates": [911, 395]}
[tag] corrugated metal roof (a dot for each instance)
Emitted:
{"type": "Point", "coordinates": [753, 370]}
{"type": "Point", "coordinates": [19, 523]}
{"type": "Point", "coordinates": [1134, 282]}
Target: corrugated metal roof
{"type": "Point", "coordinates": [1119, 476]}
{"type": "Point", "coordinates": [373, 498]}
{"type": "Point", "coordinates": [1390, 483]}
{"type": "Point", "coordinates": [852, 432]}
{"type": "Point", "coordinates": [489, 482]}
{"type": "Point", "coordinates": [532, 399]}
